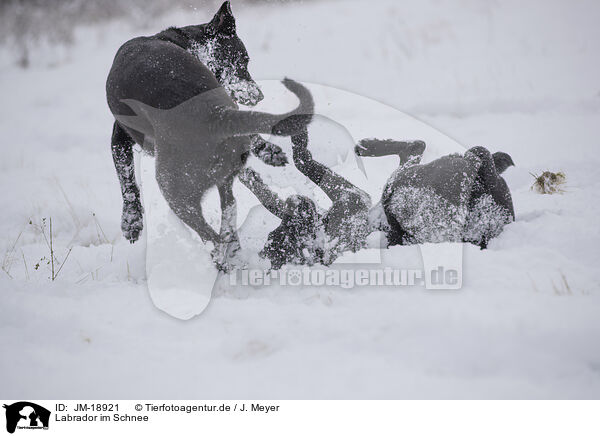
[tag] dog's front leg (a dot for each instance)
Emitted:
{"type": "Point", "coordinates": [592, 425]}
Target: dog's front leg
{"type": "Point", "coordinates": [132, 220]}
{"type": "Point", "coordinates": [225, 251]}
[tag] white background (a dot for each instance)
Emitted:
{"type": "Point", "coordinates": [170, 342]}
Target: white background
{"type": "Point", "coordinates": [352, 417]}
{"type": "Point", "coordinates": [513, 76]}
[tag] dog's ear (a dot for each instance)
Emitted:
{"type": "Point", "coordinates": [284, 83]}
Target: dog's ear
{"type": "Point", "coordinates": [223, 22]}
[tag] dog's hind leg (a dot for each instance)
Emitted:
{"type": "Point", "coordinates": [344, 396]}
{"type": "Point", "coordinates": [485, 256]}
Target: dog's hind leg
{"type": "Point", "coordinates": [189, 210]}
{"type": "Point", "coordinates": [122, 151]}
{"type": "Point", "coordinates": [406, 150]}
{"type": "Point", "coordinates": [230, 244]}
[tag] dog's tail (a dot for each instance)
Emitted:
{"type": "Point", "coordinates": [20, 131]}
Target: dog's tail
{"type": "Point", "coordinates": [295, 122]}
{"type": "Point", "coordinates": [233, 122]}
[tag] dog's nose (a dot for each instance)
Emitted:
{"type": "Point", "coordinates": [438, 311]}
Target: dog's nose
{"type": "Point", "coordinates": [259, 96]}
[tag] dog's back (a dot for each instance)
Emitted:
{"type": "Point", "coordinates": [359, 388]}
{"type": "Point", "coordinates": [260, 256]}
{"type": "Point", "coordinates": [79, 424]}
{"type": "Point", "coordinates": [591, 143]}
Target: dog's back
{"type": "Point", "coordinates": [157, 73]}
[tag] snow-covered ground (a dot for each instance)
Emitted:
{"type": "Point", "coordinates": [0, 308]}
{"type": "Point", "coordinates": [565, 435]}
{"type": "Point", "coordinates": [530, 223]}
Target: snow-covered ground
{"type": "Point", "coordinates": [522, 78]}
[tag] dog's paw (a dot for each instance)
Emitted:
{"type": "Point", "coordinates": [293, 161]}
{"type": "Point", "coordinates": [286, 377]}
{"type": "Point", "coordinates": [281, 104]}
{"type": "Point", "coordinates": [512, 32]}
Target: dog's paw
{"type": "Point", "coordinates": [132, 221]}
{"type": "Point", "coordinates": [269, 153]}
{"type": "Point", "coordinates": [273, 155]}
{"type": "Point", "coordinates": [224, 256]}
{"type": "Point", "coordinates": [417, 147]}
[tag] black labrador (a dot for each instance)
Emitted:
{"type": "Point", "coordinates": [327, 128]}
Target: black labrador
{"type": "Point", "coordinates": [175, 94]}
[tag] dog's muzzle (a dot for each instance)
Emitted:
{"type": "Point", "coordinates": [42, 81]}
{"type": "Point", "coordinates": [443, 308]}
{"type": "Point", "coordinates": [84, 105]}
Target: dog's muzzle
{"type": "Point", "coordinates": [244, 92]}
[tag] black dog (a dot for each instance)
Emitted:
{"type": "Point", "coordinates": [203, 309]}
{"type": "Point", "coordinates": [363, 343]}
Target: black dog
{"type": "Point", "coordinates": [175, 94]}
{"type": "Point", "coordinates": [453, 198]}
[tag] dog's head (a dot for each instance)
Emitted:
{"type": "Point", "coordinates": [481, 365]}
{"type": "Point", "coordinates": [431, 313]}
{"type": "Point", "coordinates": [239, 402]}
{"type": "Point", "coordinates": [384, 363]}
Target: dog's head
{"type": "Point", "coordinates": [502, 161]}
{"type": "Point", "coordinates": [217, 45]}
{"type": "Point", "coordinates": [300, 215]}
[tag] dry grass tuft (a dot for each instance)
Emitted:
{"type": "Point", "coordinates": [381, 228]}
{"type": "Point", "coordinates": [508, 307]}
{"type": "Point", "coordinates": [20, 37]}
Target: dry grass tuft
{"type": "Point", "coordinates": [549, 182]}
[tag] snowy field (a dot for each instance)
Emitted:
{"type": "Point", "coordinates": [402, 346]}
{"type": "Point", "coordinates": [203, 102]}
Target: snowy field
{"type": "Point", "coordinates": [519, 78]}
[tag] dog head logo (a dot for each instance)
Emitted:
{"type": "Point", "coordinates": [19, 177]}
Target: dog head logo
{"type": "Point", "coordinates": [26, 415]}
